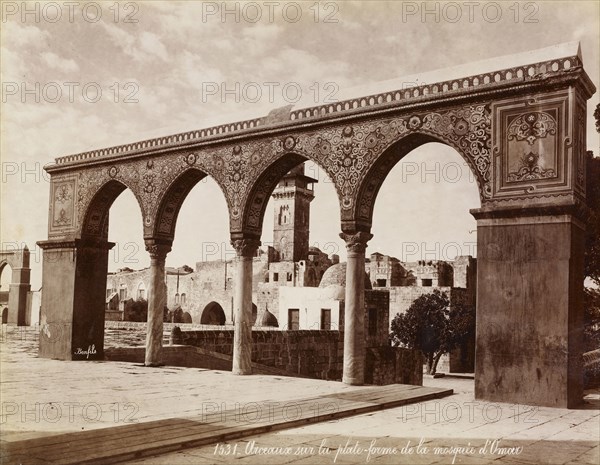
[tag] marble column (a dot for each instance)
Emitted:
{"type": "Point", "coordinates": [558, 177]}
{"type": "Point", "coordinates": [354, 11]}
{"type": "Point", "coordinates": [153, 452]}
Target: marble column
{"type": "Point", "coordinates": [157, 299]}
{"type": "Point", "coordinates": [242, 304]}
{"type": "Point", "coordinates": [354, 325]}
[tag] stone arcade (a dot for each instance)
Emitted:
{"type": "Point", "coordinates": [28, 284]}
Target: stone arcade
{"type": "Point", "coordinates": [289, 276]}
{"type": "Point", "coordinates": [14, 303]}
{"type": "Point", "coordinates": [521, 129]}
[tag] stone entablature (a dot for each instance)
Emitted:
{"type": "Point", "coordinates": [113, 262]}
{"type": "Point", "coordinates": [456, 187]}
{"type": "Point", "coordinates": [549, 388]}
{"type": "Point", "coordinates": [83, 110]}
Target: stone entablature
{"type": "Point", "coordinates": [455, 87]}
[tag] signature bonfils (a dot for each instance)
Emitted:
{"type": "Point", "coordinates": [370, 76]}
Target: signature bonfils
{"type": "Point", "coordinates": [91, 350]}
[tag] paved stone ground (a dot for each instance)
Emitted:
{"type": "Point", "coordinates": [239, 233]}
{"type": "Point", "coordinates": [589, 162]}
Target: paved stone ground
{"type": "Point", "coordinates": [42, 396]}
{"type": "Point", "coordinates": [54, 396]}
{"type": "Point", "coordinates": [455, 429]}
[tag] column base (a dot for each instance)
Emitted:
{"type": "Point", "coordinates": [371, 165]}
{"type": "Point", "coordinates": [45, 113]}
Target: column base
{"type": "Point", "coordinates": [241, 372]}
{"type": "Point", "coordinates": [352, 381]}
{"type": "Point", "coordinates": [154, 365]}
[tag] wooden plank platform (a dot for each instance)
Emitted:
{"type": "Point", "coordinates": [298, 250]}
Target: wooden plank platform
{"type": "Point", "coordinates": [126, 442]}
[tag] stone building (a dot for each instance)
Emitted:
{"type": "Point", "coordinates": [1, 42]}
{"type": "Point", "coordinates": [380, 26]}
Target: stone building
{"type": "Point", "coordinates": [407, 281]}
{"type": "Point", "coordinates": [294, 286]}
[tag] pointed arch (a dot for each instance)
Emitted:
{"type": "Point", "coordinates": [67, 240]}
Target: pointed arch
{"type": "Point", "coordinates": [213, 314]}
{"type": "Point", "coordinates": [172, 200]}
{"type": "Point", "coordinates": [260, 192]}
{"type": "Point", "coordinates": [376, 175]}
{"type": "Point", "coordinates": [96, 217]}
{"type": "Point", "coordinates": [3, 264]}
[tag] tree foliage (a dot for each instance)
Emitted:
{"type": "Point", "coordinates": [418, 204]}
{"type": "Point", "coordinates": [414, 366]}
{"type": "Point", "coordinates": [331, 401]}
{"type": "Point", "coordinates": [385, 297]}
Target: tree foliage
{"type": "Point", "coordinates": [592, 246]}
{"type": "Point", "coordinates": [591, 319]}
{"type": "Point", "coordinates": [431, 326]}
{"type": "Point", "coordinates": [136, 310]}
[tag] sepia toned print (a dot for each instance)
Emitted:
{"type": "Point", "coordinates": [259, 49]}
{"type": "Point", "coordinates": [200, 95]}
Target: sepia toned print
{"type": "Point", "coordinates": [300, 232]}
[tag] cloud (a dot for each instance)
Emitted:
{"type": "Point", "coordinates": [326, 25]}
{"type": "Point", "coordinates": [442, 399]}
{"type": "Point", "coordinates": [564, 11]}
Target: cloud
{"type": "Point", "coordinates": [14, 67]}
{"type": "Point", "coordinates": [192, 70]}
{"type": "Point", "coordinates": [143, 48]}
{"type": "Point", "coordinates": [59, 63]}
{"type": "Point", "coordinates": [21, 35]}
{"type": "Point", "coordinates": [152, 45]}
{"type": "Point", "coordinates": [262, 33]}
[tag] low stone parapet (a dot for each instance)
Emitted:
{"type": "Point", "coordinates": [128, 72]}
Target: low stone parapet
{"type": "Point", "coordinates": [393, 365]}
{"type": "Point", "coordinates": [314, 354]}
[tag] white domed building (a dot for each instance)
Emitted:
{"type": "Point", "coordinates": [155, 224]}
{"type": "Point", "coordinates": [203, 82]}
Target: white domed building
{"type": "Point", "coordinates": [322, 308]}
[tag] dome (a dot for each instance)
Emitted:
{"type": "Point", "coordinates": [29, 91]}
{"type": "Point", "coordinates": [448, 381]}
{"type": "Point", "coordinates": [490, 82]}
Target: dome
{"type": "Point", "coordinates": [333, 292]}
{"type": "Point", "coordinates": [266, 318]}
{"type": "Point", "coordinates": [336, 275]}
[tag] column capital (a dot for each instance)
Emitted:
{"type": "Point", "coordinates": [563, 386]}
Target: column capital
{"type": "Point", "coordinates": [356, 242]}
{"type": "Point", "coordinates": [245, 247]}
{"type": "Point", "coordinates": [158, 249]}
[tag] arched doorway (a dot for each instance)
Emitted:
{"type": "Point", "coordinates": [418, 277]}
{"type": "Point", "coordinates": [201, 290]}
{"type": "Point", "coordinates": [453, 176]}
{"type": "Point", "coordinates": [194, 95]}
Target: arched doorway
{"type": "Point", "coordinates": [213, 314]}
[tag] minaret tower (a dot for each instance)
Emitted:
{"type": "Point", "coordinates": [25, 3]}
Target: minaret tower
{"type": "Point", "coordinates": [292, 198]}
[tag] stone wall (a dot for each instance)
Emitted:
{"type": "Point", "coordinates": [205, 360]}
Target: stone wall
{"type": "Point", "coordinates": [179, 356]}
{"type": "Point", "coordinates": [377, 303]}
{"type": "Point", "coordinates": [390, 365]}
{"type": "Point", "coordinates": [315, 354]}
{"type": "Point", "coordinates": [401, 298]}
{"type": "Point", "coordinates": [267, 298]}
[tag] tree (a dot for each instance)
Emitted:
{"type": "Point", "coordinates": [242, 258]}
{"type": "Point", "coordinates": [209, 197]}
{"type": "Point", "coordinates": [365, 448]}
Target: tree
{"type": "Point", "coordinates": [592, 246]}
{"type": "Point", "coordinates": [462, 324]}
{"type": "Point", "coordinates": [431, 326]}
{"type": "Point", "coordinates": [136, 310]}
{"type": "Point", "coordinates": [591, 319]}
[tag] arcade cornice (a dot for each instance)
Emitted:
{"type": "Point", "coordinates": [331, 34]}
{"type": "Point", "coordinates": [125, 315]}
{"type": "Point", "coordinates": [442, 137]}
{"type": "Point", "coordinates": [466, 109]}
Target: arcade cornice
{"type": "Point", "coordinates": [487, 86]}
{"type": "Point", "coordinates": [576, 208]}
{"type": "Point", "coordinates": [75, 244]}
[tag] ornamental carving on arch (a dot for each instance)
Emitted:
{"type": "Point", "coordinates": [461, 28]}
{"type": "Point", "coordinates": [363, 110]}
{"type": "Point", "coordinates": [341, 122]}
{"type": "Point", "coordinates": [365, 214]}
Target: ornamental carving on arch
{"type": "Point", "coordinates": [148, 179]}
{"type": "Point", "coordinates": [467, 129]}
{"type": "Point", "coordinates": [347, 154]}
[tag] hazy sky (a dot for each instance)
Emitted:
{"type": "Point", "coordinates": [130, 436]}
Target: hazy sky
{"type": "Point", "coordinates": [163, 68]}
